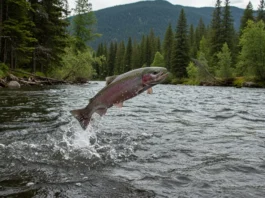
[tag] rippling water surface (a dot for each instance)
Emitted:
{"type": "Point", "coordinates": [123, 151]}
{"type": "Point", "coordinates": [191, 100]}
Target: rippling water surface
{"type": "Point", "coordinates": [181, 141]}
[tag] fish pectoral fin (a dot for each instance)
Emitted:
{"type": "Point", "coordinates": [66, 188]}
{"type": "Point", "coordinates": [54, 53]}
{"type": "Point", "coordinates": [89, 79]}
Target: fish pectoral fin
{"type": "Point", "coordinates": [120, 104]}
{"type": "Point", "coordinates": [101, 111]}
{"type": "Point", "coordinates": [150, 90]}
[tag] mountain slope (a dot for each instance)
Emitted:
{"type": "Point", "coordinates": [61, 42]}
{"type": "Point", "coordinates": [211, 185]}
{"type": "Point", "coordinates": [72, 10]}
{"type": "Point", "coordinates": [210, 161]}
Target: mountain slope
{"type": "Point", "coordinates": [136, 19]}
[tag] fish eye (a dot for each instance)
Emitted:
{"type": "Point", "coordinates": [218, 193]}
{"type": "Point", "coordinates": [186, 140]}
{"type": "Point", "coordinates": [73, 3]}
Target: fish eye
{"type": "Point", "coordinates": [154, 72]}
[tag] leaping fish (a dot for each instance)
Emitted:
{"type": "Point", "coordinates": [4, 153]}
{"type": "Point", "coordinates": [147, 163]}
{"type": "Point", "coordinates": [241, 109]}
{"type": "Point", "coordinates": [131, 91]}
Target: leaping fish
{"type": "Point", "coordinates": [119, 89]}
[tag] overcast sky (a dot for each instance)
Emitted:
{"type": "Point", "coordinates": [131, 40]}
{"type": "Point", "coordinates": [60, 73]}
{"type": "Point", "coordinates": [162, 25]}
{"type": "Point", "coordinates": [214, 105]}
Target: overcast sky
{"type": "Point", "coordinates": [100, 4]}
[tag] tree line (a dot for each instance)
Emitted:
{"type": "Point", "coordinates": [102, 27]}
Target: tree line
{"type": "Point", "coordinates": [35, 36]}
{"type": "Point", "coordinates": [222, 51]}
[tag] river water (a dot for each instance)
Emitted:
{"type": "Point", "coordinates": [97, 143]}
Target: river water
{"type": "Point", "coordinates": [181, 141]}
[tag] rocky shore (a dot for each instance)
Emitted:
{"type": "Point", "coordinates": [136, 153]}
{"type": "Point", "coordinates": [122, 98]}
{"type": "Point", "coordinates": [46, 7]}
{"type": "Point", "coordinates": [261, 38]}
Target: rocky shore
{"type": "Point", "coordinates": [13, 81]}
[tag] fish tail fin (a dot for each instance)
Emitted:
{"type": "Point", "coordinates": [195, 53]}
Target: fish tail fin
{"type": "Point", "coordinates": [82, 116]}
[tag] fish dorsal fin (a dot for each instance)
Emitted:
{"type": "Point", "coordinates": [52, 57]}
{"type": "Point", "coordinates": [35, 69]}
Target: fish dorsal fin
{"type": "Point", "coordinates": [109, 79]}
{"type": "Point", "coordinates": [120, 104]}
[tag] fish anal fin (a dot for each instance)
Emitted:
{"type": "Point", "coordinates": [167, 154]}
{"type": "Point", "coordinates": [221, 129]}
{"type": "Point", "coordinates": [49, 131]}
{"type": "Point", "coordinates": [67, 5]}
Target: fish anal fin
{"type": "Point", "coordinates": [101, 111]}
{"type": "Point", "coordinates": [120, 104]}
{"type": "Point", "coordinates": [150, 90]}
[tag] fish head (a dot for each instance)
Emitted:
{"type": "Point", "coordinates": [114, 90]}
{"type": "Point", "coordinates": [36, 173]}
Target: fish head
{"type": "Point", "coordinates": [154, 75]}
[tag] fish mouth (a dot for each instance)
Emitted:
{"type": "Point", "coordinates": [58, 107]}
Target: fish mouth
{"type": "Point", "coordinates": [160, 77]}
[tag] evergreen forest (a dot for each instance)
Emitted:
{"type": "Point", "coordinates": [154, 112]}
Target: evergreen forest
{"type": "Point", "coordinates": [41, 37]}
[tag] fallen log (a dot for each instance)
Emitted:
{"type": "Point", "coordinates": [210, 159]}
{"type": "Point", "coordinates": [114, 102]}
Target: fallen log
{"type": "Point", "coordinates": [52, 80]}
{"type": "Point", "coordinates": [28, 82]}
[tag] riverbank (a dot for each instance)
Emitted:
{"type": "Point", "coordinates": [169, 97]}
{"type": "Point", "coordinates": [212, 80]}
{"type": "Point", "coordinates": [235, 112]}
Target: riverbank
{"type": "Point", "coordinates": [237, 82]}
{"type": "Point", "coordinates": [19, 78]}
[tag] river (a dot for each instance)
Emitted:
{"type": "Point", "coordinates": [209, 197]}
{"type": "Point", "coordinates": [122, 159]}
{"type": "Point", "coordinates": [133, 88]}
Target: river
{"type": "Point", "coordinates": [181, 141]}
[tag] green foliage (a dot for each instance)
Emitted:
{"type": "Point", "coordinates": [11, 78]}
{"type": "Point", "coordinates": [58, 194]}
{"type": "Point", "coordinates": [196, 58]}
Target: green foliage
{"type": "Point", "coordinates": [75, 65]}
{"type": "Point", "coordinates": [111, 58]}
{"type": "Point", "coordinates": [238, 81]}
{"type": "Point", "coordinates": [261, 11]}
{"type": "Point", "coordinates": [18, 29]}
{"type": "Point", "coordinates": [99, 66]}
{"type": "Point", "coordinates": [192, 42]}
{"type": "Point", "coordinates": [251, 59]}
{"type": "Point", "coordinates": [248, 15]}
{"type": "Point", "coordinates": [204, 49]}
{"type": "Point", "coordinates": [128, 56]}
{"type": "Point", "coordinates": [119, 63]}
{"type": "Point", "coordinates": [3, 70]}
{"type": "Point", "coordinates": [136, 63]}
{"type": "Point", "coordinates": [204, 74]}
{"type": "Point", "coordinates": [180, 53]}
{"type": "Point", "coordinates": [228, 26]}
{"type": "Point", "coordinates": [192, 72]}
{"type": "Point", "coordinates": [224, 63]}
{"type": "Point", "coordinates": [167, 46]}
{"type": "Point", "coordinates": [216, 32]}
{"type": "Point", "coordinates": [158, 60]}
{"type": "Point", "coordinates": [83, 24]}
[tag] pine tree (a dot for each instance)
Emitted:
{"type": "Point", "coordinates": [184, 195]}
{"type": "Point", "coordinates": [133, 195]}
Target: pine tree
{"type": "Point", "coordinates": [261, 11]}
{"type": "Point", "coordinates": [50, 31]}
{"type": "Point", "coordinates": [192, 42]}
{"type": "Point", "coordinates": [248, 15]}
{"type": "Point", "coordinates": [119, 63]}
{"type": "Point", "coordinates": [136, 56]}
{"type": "Point", "coordinates": [227, 24]}
{"type": "Point", "coordinates": [229, 34]}
{"type": "Point", "coordinates": [111, 58]}
{"type": "Point", "coordinates": [158, 45]}
{"type": "Point", "coordinates": [180, 54]}
{"type": "Point", "coordinates": [152, 44]}
{"type": "Point", "coordinates": [128, 56]}
{"type": "Point", "coordinates": [167, 46]}
{"type": "Point", "coordinates": [200, 31]}
{"type": "Point", "coordinates": [216, 32]}
{"type": "Point", "coordinates": [142, 51]}
{"type": "Point", "coordinates": [148, 52]}
{"type": "Point", "coordinates": [224, 63]}
{"type": "Point", "coordinates": [17, 35]}
{"type": "Point", "coordinates": [83, 24]}
{"type": "Point", "coordinates": [158, 60]}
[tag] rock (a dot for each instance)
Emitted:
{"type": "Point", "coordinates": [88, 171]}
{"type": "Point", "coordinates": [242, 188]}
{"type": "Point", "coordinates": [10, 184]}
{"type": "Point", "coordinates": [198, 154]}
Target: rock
{"type": "Point", "coordinates": [12, 77]}
{"type": "Point", "coordinates": [30, 184]}
{"type": "Point", "coordinates": [13, 84]}
{"type": "Point", "coordinates": [2, 83]}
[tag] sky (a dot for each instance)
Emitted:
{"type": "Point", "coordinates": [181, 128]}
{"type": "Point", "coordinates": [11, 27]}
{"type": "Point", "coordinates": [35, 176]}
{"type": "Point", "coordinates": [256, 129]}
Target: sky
{"type": "Point", "coordinates": [100, 4]}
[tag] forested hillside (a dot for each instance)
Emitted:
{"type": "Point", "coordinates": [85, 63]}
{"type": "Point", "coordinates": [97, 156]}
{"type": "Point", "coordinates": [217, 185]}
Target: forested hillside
{"type": "Point", "coordinates": [212, 49]}
{"type": "Point", "coordinates": [136, 19]}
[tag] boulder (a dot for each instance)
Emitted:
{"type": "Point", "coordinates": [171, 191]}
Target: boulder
{"type": "Point", "coordinates": [2, 83]}
{"type": "Point", "coordinates": [11, 77]}
{"type": "Point", "coordinates": [13, 84]}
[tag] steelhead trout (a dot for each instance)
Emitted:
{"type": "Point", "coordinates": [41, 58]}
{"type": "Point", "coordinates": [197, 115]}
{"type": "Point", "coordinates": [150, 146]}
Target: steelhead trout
{"type": "Point", "coordinates": [118, 89]}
